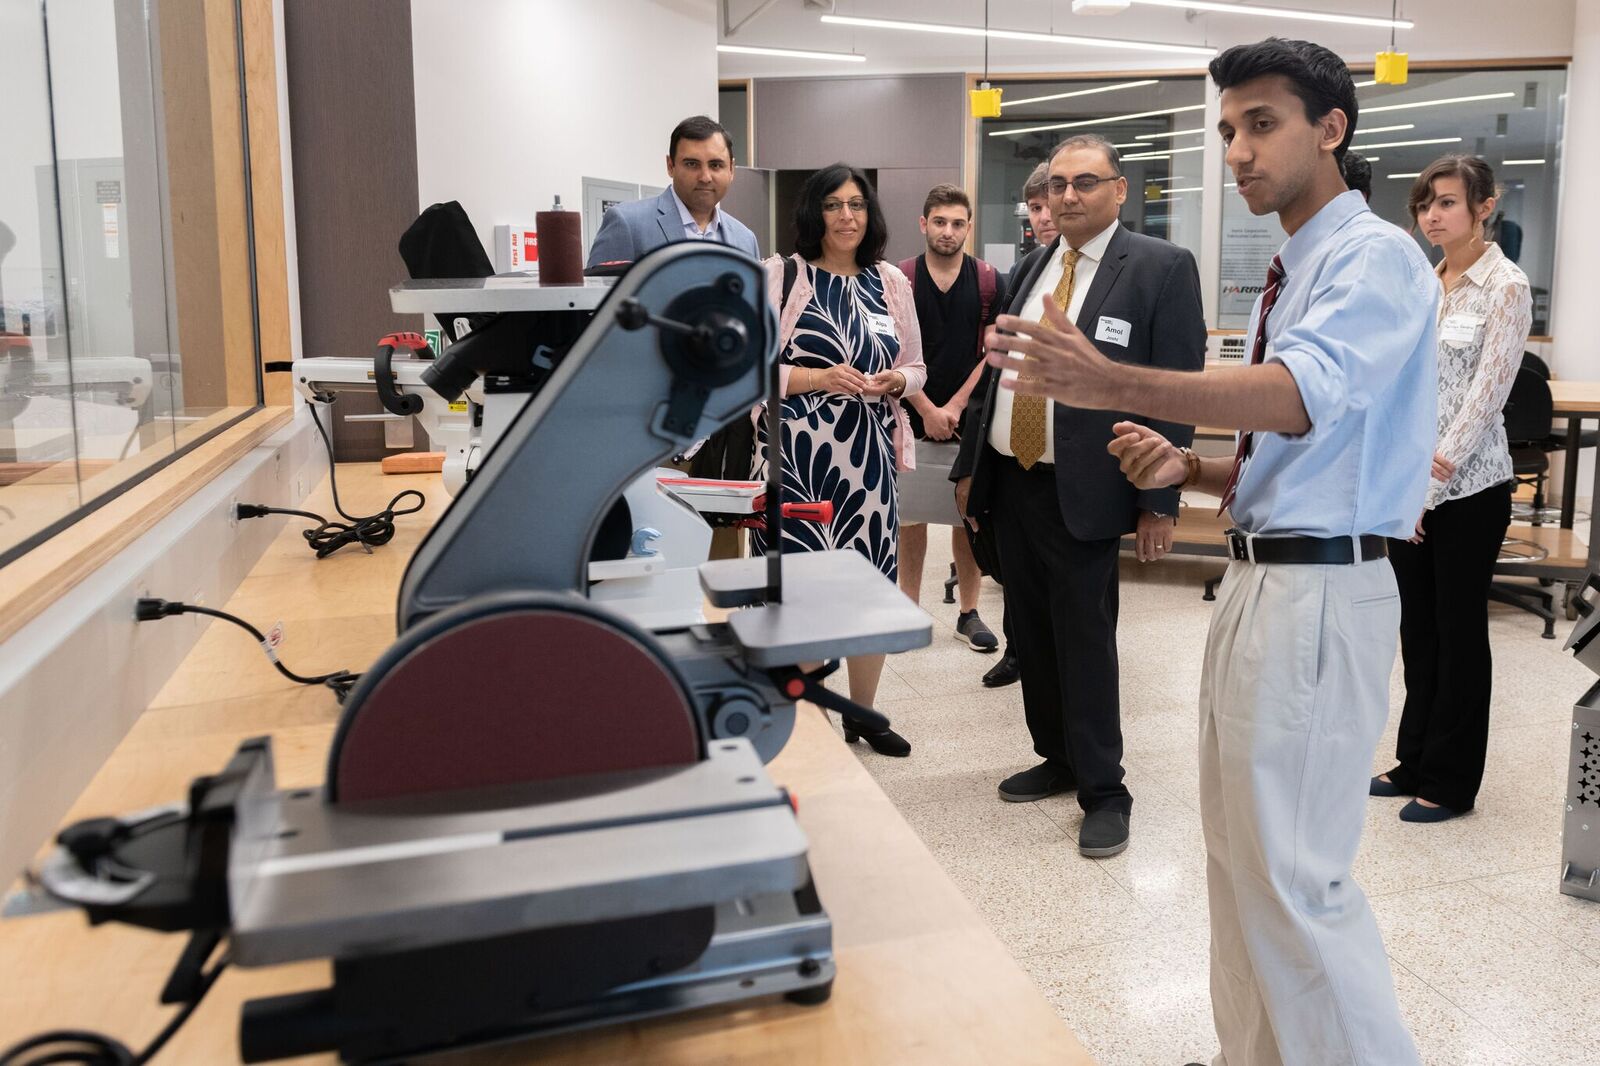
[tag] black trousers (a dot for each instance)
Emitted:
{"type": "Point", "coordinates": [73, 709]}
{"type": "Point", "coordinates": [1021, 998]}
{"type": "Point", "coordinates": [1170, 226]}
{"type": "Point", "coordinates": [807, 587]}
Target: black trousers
{"type": "Point", "coordinates": [1444, 645]}
{"type": "Point", "coordinates": [1061, 599]}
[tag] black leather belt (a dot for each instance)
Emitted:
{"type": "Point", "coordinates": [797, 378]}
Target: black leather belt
{"type": "Point", "coordinates": [1248, 547]}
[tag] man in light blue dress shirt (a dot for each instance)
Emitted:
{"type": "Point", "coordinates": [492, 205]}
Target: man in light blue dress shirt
{"type": "Point", "coordinates": [1338, 420]}
{"type": "Point", "coordinates": [700, 166]}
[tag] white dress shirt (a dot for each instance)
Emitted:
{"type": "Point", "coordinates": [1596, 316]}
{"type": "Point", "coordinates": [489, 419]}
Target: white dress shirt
{"type": "Point", "coordinates": [691, 228]}
{"type": "Point", "coordinates": [1089, 257]}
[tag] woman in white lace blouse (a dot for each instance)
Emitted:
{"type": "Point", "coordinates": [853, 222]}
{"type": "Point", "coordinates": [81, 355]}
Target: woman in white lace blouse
{"type": "Point", "coordinates": [1444, 571]}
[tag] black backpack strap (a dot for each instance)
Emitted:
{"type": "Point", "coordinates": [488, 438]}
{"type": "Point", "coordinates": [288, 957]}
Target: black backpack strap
{"type": "Point", "coordinates": [791, 271]}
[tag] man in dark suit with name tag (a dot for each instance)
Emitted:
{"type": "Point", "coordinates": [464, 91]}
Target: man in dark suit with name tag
{"type": "Point", "coordinates": [1038, 475]}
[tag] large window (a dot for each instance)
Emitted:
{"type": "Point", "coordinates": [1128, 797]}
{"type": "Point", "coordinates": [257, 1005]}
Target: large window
{"type": "Point", "coordinates": [127, 306]}
{"type": "Point", "coordinates": [1511, 118]}
{"type": "Point", "coordinates": [1155, 123]}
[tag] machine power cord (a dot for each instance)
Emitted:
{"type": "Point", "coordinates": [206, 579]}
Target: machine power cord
{"type": "Point", "coordinates": [148, 609]}
{"type": "Point", "coordinates": [371, 531]}
{"type": "Point", "coordinates": [87, 1048]}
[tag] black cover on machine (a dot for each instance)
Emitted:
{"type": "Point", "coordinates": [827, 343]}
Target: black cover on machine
{"type": "Point", "coordinates": [441, 243]}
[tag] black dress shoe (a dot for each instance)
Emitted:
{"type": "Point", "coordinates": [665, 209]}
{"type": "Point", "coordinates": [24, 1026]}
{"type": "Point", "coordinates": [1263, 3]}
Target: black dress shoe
{"type": "Point", "coordinates": [1003, 673]}
{"type": "Point", "coordinates": [1046, 779]}
{"type": "Point", "coordinates": [882, 741]}
{"type": "Point", "coordinates": [1104, 834]}
{"type": "Point", "coordinates": [1379, 787]}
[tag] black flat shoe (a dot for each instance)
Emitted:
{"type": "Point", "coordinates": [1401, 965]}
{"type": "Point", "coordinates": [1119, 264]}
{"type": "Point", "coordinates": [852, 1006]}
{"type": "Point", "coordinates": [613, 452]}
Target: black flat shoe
{"type": "Point", "coordinates": [1416, 812]}
{"type": "Point", "coordinates": [1380, 787]}
{"type": "Point", "coordinates": [1005, 672]}
{"type": "Point", "coordinates": [883, 741]}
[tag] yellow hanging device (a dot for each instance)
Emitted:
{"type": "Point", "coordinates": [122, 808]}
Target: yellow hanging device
{"type": "Point", "coordinates": [1391, 68]}
{"type": "Point", "coordinates": [985, 102]}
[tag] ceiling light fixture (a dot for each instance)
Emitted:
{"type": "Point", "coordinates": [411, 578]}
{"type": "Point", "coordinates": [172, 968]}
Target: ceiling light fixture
{"type": "Point", "coordinates": [1098, 121]}
{"type": "Point", "coordinates": [791, 53]}
{"type": "Point", "coordinates": [1393, 177]}
{"type": "Point", "coordinates": [1523, 163]}
{"type": "Point", "coordinates": [1080, 92]}
{"type": "Point", "coordinates": [1366, 84]}
{"type": "Point", "coordinates": [1387, 129]}
{"type": "Point", "coordinates": [1405, 144]}
{"type": "Point", "coordinates": [1365, 110]}
{"type": "Point", "coordinates": [1279, 12]}
{"type": "Point", "coordinates": [1163, 136]}
{"type": "Point", "coordinates": [1016, 35]}
{"type": "Point", "coordinates": [1165, 152]}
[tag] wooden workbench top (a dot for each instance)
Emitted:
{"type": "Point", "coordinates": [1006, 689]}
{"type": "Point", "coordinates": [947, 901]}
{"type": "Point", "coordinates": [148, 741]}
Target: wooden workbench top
{"type": "Point", "coordinates": [921, 978]}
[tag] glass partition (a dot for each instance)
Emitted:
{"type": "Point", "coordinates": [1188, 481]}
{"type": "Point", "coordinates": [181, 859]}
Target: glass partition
{"type": "Point", "coordinates": [1156, 123]}
{"type": "Point", "coordinates": [1511, 118]}
{"type": "Point", "coordinates": [127, 316]}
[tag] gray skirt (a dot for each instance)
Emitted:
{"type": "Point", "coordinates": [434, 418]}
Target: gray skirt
{"type": "Point", "coordinates": [927, 494]}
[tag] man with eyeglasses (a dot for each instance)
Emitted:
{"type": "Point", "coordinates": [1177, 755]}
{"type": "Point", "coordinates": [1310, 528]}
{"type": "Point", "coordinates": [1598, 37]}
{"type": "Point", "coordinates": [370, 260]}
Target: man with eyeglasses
{"type": "Point", "coordinates": [1039, 472]}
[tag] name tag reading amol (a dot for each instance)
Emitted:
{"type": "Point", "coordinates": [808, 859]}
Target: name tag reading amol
{"type": "Point", "coordinates": [1114, 330]}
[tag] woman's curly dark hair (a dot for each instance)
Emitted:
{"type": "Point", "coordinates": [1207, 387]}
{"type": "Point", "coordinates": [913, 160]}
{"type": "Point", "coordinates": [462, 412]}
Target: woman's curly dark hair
{"type": "Point", "coordinates": [808, 223]}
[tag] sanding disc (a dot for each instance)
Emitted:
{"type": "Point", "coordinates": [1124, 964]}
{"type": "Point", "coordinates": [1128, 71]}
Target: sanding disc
{"type": "Point", "coordinates": [512, 689]}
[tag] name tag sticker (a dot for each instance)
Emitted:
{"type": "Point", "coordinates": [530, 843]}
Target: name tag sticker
{"type": "Point", "coordinates": [883, 324]}
{"type": "Point", "coordinates": [1114, 330]}
{"type": "Point", "coordinates": [1460, 328]}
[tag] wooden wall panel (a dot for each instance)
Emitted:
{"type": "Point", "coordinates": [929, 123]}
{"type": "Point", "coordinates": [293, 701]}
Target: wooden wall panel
{"type": "Point", "coordinates": [266, 187]}
{"type": "Point", "coordinates": [352, 121]}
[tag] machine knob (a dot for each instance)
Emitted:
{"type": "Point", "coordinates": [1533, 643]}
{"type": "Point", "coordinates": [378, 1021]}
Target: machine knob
{"type": "Point", "coordinates": [642, 538]}
{"type": "Point", "coordinates": [736, 716]}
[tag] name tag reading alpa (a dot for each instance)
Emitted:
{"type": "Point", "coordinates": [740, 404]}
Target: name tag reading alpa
{"type": "Point", "coordinates": [883, 324]}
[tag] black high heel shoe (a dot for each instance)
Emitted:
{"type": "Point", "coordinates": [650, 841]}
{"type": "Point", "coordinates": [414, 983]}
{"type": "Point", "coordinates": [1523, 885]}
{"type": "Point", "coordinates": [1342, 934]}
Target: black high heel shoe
{"type": "Point", "coordinates": [882, 741]}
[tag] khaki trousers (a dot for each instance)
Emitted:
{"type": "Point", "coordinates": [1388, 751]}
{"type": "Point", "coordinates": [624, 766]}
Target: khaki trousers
{"type": "Point", "coordinates": [1293, 700]}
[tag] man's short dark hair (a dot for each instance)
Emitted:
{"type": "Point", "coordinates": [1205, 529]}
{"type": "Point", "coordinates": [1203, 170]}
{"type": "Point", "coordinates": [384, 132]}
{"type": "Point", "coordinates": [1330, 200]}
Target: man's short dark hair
{"type": "Point", "coordinates": [1036, 187]}
{"type": "Point", "coordinates": [946, 195]}
{"type": "Point", "coordinates": [697, 128]}
{"type": "Point", "coordinates": [1090, 140]}
{"type": "Point", "coordinates": [1318, 77]}
{"type": "Point", "coordinates": [1358, 173]}
{"type": "Point", "coordinates": [808, 223]}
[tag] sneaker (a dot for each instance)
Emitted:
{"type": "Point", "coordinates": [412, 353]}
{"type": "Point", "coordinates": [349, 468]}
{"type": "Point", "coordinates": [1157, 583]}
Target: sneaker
{"type": "Point", "coordinates": [1046, 779]}
{"type": "Point", "coordinates": [1005, 672]}
{"type": "Point", "coordinates": [1104, 834]}
{"type": "Point", "coordinates": [979, 637]}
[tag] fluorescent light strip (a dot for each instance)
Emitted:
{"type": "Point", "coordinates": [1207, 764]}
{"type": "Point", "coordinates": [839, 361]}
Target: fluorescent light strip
{"type": "Point", "coordinates": [1366, 84]}
{"type": "Point", "coordinates": [1405, 144]}
{"type": "Point", "coordinates": [1016, 35]}
{"type": "Point", "coordinates": [1164, 153]}
{"type": "Point", "coordinates": [1165, 200]}
{"type": "Point", "coordinates": [791, 53]}
{"type": "Point", "coordinates": [1097, 121]}
{"type": "Point", "coordinates": [1387, 129]}
{"type": "Point", "coordinates": [1372, 158]}
{"type": "Point", "coordinates": [1279, 12]}
{"type": "Point", "coordinates": [1136, 144]}
{"type": "Point", "coordinates": [1393, 177]}
{"type": "Point", "coordinates": [1365, 110]}
{"type": "Point", "coordinates": [1523, 163]}
{"type": "Point", "coordinates": [1079, 92]}
{"type": "Point", "coordinates": [1163, 136]}
{"type": "Point", "coordinates": [1191, 188]}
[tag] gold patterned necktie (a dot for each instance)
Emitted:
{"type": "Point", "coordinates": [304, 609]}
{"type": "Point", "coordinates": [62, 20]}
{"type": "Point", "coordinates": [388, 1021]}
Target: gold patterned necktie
{"type": "Point", "coordinates": [1027, 412]}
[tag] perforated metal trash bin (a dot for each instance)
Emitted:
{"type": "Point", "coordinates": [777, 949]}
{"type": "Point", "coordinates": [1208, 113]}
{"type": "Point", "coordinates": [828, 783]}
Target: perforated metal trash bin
{"type": "Point", "coordinates": [1580, 837]}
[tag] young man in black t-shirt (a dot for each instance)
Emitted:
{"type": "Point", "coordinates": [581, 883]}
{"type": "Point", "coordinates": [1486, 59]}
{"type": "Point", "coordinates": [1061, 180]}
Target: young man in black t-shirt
{"type": "Point", "coordinates": [957, 299]}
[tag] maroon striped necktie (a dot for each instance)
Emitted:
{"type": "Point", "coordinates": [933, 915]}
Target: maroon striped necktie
{"type": "Point", "coordinates": [1258, 352]}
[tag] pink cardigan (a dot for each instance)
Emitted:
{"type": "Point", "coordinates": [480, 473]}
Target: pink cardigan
{"type": "Point", "coordinates": [902, 308]}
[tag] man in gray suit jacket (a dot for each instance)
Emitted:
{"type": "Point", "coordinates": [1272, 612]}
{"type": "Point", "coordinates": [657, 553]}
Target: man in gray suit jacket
{"type": "Point", "coordinates": [700, 164]}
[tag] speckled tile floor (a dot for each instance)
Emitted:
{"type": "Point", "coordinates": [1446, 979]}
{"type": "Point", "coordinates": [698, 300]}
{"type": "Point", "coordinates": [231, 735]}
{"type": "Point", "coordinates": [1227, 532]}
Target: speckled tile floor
{"type": "Point", "coordinates": [1491, 963]}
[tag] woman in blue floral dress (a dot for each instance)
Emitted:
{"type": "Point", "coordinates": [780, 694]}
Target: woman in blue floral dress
{"type": "Point", "coordinates": [851, 349]}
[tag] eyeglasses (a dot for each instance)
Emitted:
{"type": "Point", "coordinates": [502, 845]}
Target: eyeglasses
{"type": "Point", "coordinates": [833, 207]}
{"type": "Point", "coordinates": [1084, 183]}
